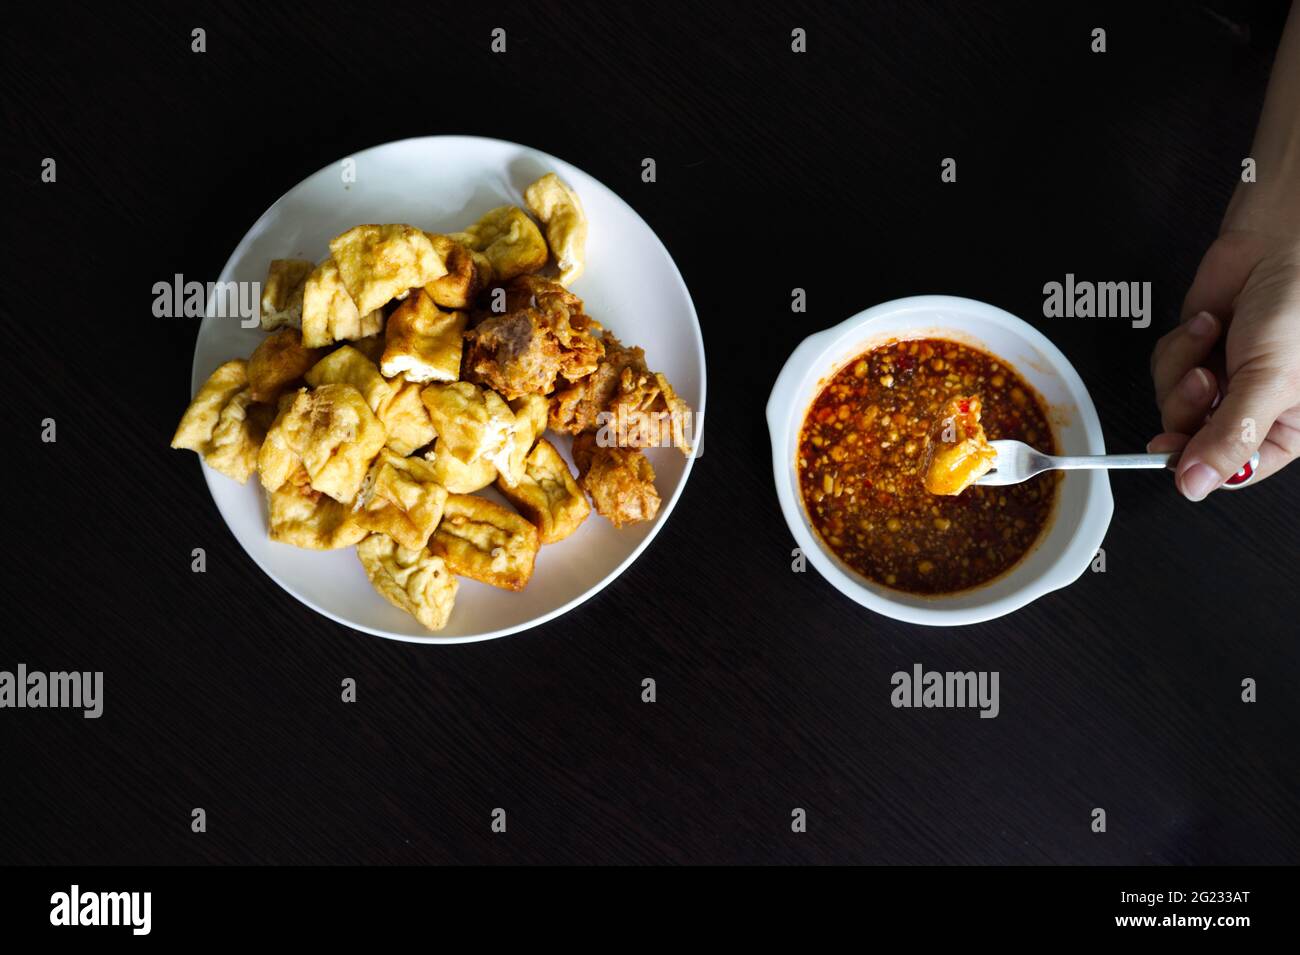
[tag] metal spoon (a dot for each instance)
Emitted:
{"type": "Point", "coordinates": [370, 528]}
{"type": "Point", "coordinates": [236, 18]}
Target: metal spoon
{"type": "Point", "coordinates": [1017, 461]}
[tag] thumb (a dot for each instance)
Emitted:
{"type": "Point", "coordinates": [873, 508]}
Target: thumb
{"type": "Point", "coordinates": [1234, 432]}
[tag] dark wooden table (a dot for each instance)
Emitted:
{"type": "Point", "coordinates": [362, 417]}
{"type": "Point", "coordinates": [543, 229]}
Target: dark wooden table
{"type": "Point", "coordinates": [775, 170]}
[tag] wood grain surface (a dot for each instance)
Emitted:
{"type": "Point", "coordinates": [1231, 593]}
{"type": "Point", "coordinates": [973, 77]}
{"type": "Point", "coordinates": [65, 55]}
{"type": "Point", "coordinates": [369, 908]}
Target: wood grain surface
{"type": "Point", "coordinates": [775, 170]}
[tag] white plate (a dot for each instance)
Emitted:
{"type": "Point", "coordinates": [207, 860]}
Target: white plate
{"type": "Point", "coordinates": [443, 183]}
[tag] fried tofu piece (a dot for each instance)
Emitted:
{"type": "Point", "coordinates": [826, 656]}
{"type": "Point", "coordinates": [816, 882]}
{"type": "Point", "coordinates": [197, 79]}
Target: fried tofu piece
{"type": "Point", "coordinates": [348, 366]}
{"type": "Point", "coordinates": [402, 498]}
{"type": "Point", "coordinates": [458, 477]}
{"type": "Point", "coordinates": [282, 293]}
{"type": "Point", "coordinates": [619, 480]}
{"type": "Point", "coordinates": [958, 453]}
{"type": "Point", "coordinates": [379, 263]}
{"type": "Point", "coordinates": [645, 412]}
{"type": "Point", "coordinates": [331, 432]}
{"type": "Point", "coordinates": [303, 517]}
{"type": "Point", "coordinates": [547, 494]}
{"type": "Point", "coordinates": [485, 541]}
{"type": "Point", "coordinates": [220, 424]}
{"type": "Point", "coordinates": [560, 212]}
{"type": "Point", "coordinates": [509, 240]}
{"type": "Point", "coordinates": [278, 363]}
{"type": "Point", "coordinates": [542, 335]}
{"type": "Point", "coordinates": [328, 312]}
{"type": "Point", "coordinates": [578, 407]}
{"type": "Point", "coordinates": [372, 346]}
{"type": "Point", "coordinates": [468, 274]}
{"type": "Point", "coordinates": [530, 422]}
{"type": "Point", "coordinates": [406, 419]}
{"type": "Point", "coordinates": [410, 579]}
{"type": "Point", "coordinates": [422, 342]}
{"type": "Point", "coordinates": [472, 423]}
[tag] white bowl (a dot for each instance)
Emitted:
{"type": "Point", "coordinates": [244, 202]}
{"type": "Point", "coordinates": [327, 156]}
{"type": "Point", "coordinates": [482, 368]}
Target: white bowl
{"type": "Point", "coordinates": [1083, 507]}
{"type": "Point", "coordinates": [630, 285]}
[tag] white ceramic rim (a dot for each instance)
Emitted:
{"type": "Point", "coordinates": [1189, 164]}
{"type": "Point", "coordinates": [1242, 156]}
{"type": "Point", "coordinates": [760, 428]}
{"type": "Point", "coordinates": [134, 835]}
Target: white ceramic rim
{"type": "Point", "coordinates": [198, 376]}
{"type": "Point", "coordinates": [794, 391]}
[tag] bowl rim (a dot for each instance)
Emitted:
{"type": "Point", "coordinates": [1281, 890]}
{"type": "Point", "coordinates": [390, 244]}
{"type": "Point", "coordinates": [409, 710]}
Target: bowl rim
{"type": "Point", "coordinates": [813, 359]}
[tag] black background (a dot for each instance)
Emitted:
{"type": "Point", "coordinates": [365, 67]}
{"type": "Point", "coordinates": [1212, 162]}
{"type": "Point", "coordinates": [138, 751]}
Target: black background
{"type": "Point", "coordinates": [775, 170]}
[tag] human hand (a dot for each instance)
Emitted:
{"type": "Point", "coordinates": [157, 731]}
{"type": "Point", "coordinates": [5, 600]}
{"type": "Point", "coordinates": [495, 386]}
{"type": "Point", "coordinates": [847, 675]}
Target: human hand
{"type": "Point", "coordinates": [1227, 379]}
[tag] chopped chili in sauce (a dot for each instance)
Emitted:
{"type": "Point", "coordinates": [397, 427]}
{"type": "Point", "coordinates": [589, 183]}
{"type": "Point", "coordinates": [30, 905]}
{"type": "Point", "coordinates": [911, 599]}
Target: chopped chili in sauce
{"type": "Point", "coordinates": [862, 454]}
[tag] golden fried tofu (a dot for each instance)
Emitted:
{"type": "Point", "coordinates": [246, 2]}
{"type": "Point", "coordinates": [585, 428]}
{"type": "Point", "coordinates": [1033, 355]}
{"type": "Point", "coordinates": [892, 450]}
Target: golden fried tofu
{"type": "Point", "coordinates": [509, 240]}
{"type": "Point", "coordinates": [219, 426]}
{"type": "Point", "coordinates": [379, 263]}
{"type": "Point", "coordinates": [411, 580]}
{"type": "Point", "coordinates": [645, 412]}
{"type": "Point", "coordinates": [328, 312]}
{"type": "Point", "coordinates": [458, 477]}
{"type": "Point", "coordinates": [303, 517]}
{"type": "Point", "coordinates": [278, 363]}
{"type": "Point", "coordinates": [483, 540]}
{"type": "Point", "coordinates": [348, 366]}
{"type": "Point", "coordinates": [578, 407]}
{"type": "Point", "coordinates": [282, 293]}
{"type": "Point", "coordinates": [422, 342]}
{"type": "Point", "coordinates": [472, 423]}
{"type": "Point", "coordinates": [958, 453]}
{"type": "Point", "coordinates": [530, 421]}
{"type": "Point", "coordinates": [547, 494]}
{"type": "Point", "coordinates": [331, 432]}
{"type": "Point", "coordinates": [372, 346]}
{"type": "Point", "coordinates": [406, 419]}
{"type": "Point", "coordinates": [619, 480]}
{"type": "Point", "coordinates": [560, 212]}
{"type": "Point", "coordinates": [468, 274]}
{"type": "Point", "coordinates": [402, 498]}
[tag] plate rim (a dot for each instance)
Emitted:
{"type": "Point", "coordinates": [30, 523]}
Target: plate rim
{"type": "Point", "coordinates": [666, 508]}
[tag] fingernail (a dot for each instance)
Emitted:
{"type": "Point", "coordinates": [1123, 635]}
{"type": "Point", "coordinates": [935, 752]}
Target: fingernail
{"type": "Point", "coordinates": [1195, 384]}
{"type": "Point", "coordinates": [1198, 481]}
{"type": "Point", "coordinates": [1203, 325]}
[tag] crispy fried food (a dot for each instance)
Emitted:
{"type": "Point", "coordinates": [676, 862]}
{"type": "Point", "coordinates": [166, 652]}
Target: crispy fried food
{"type": "Point", "coordinates": [411, 580]}
{"type": "Point", "coordinates": [221, 423]}
{"type": "Point", "coordinates": [645, 412]}
{"type": "Point", "coordinates": [560, 211]}
{"type": "Point", "coordinates": [468, 273]}
{"type": "Point", "coordinates": [530, 421]}
{"type": "Point", "coordinates": [509, 240]}
{"type": "Point", "coordinates": [331, 432]}
{"type": "Point", "coordinates": [458, 477]}
{"type": "Point", "coordinates": [278, 363]}
{"type": "Point", "coordinates": [372, 346]}
{"type": "Point", "coordinates": [472, 423]}
{"type": "Point", "coordinates": [619, 480]}
{"type": "Point", "coordinates": [577, 408]}
{"type": "Point", "coordinates": [421, 342]}
{"type": "Point", "coordinates": [547, 494]}
{"type": "Point", "coordinates": [282, 293]}
{"type": "Point", "coordinates": [543, 334]}
{"type": "Point", "coordinates": [303, 517]}
{"type": "Point", "coordinates": [406, 419]}
{"type": "Point", "coordinates": [486, 541]}
{"type": "Point", "coordinates": [348, 366]}
{"type": "Point", "coordinates": [379, 263]}
{"type": "Point", "coordinates": [328, 312]}
{"type": "Point", "coordinates": [959, 453]}
{"type": "Point", "coordinates": [402, 498]}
